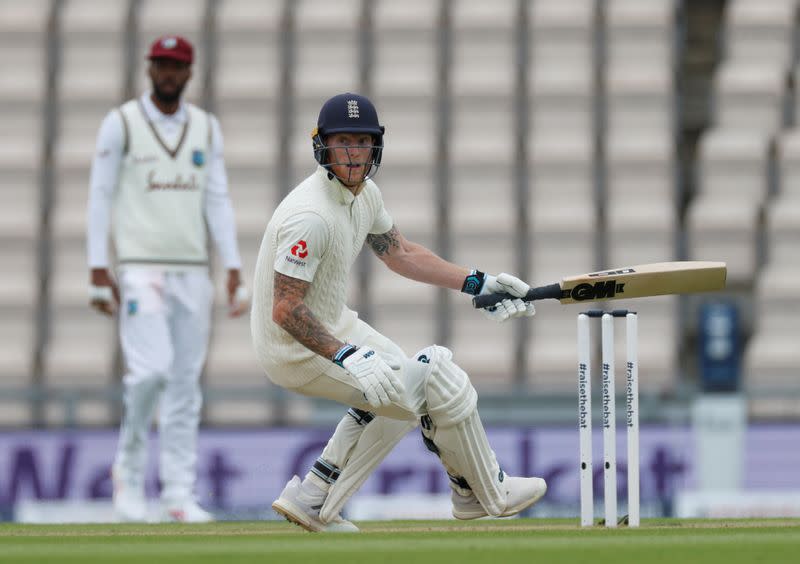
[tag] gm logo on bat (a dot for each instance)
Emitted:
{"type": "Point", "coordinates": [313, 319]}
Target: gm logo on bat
{"type": "Point", "coordinates": [597, 291]}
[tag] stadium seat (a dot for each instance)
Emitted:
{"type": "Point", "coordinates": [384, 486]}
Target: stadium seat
{"type": "Point", "coordinates": [561, 66]}
{"type": "Point", "coordinates": [327, 57]}
{"type": "Point", "coordinates": [722, 221]}
{"type": "Point", "coordinates": [93, 53]}
{"type": "Point", "coordinates": [772, 355]}
{"type": "Point", "coordinates": [249, 17]}
{"type": "Point", "coordinates": [751, 95]}
{"type": "Point", "coordinates": [405, 57]}
{"type": "Point", "coordinates": [760, 31]}
{"type": "Point", "coordinates": [246, 90]}
{"type": "Point", "coordinates": [561, 205]}
{"type": "Point", "coordinates": [641, 181]}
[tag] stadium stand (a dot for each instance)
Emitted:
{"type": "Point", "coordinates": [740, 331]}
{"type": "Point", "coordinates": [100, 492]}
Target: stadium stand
{"type": "Point", "coordinates": [405, 86]}
{"type": "Point", "coordinates": [772, 354]}
{"type": "Point", "coordinates": [752, 86]}
{"type": "Point", "coordinates": [90, 82]}
{"type": "Point", "coordinates": [572, 105]}
{"type": "Point", "coordinates": [482, 153]}
{"type": "Point", "coordinates": [23, 75]}
{"type": "Point", "coordinates": [641, 212]}
{"type": "Point", "coordinates": [562, 152]}
{"type": "Point", "coordinates": [246, 92]}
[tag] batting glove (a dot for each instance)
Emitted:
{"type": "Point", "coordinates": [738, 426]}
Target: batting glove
{"type": "Point", "coordinates": [507, 309]}
{"type": "Point", "coordinates": [376, 378]}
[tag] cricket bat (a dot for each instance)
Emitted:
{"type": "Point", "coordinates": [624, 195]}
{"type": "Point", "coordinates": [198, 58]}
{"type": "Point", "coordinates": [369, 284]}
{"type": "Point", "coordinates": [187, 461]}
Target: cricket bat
{"type": "Point", "coordinates": [644, 280]}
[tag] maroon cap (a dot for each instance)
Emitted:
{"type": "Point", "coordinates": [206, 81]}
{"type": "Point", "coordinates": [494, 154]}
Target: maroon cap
{"type": "Point", "coordinates": [172, 47]}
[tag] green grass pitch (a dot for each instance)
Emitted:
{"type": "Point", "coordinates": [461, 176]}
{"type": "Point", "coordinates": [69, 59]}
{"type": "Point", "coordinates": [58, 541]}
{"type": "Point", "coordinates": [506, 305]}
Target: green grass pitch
{"type": "Point", "coordinates": [418, 542]}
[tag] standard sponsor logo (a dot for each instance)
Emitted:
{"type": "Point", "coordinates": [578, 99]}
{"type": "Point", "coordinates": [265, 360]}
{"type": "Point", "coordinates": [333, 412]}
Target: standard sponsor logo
{"type": "Point", "coordinates": [300, 249]}
{"type": "Point", "coordinates": [293, 260]}
{"type": "Point", "coordinates": [178, 183]}
{"type": "Point", "coordinates": [597, 291]}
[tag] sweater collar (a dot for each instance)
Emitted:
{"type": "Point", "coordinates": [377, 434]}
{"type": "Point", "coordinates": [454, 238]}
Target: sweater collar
{"type": "Point", "coordinates": [337, 190]}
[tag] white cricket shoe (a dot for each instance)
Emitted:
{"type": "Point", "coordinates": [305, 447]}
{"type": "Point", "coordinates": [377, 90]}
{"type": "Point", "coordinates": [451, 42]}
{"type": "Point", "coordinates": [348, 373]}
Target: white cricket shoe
{"type": "Point", "coordinates": [301, 507]}
{"type": "Point", "coordinates": [129, 501]}
{"type": "Point", "coordinates": [521, 493]}
{"type": "Point", "coordinates": [187, 511]}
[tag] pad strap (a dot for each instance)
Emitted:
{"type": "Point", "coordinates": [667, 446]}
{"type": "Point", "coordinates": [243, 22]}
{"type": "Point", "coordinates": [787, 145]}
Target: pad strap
{"type": "Point", "coordinates": [362, 417]}
{"type": "Point", "coordinates": [327, 472]}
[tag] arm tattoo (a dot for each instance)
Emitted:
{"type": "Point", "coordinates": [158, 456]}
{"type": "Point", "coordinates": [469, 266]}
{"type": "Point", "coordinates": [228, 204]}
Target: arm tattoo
{"type": "Point", "coordinates": [384, 243]}
{"type": "Point", "coordinates": [301, 323]}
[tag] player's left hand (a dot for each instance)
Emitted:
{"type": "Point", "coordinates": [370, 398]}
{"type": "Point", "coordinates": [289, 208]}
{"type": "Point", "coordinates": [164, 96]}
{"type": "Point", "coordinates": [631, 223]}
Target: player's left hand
{"type": "Point", "coordinates": [509, 308]}
{"type": "Point", "coordinates": [238, 297]}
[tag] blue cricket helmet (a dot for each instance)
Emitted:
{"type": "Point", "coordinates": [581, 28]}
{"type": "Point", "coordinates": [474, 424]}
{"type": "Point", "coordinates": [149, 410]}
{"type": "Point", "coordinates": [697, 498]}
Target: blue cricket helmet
{"type": "Point", "coordinates": [348, 113]}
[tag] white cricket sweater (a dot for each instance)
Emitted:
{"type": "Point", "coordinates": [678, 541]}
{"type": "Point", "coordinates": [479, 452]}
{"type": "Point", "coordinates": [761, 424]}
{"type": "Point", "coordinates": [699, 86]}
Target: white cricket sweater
{"type": "Point", "coordinates": [345, 222]}
{"type": "Point", "coordinates": [158, 207]}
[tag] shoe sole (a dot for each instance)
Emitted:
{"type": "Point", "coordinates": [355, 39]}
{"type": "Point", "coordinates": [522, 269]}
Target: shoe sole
{"type": "Point", "coordinates": [464, 516]}
{"type": "Point", "coordinates": [290, 512]}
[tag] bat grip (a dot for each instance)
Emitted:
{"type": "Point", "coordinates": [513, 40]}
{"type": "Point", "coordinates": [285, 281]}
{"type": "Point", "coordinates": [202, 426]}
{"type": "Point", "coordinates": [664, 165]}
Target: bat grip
{"type": "Point", "coordinates": [551, 291]}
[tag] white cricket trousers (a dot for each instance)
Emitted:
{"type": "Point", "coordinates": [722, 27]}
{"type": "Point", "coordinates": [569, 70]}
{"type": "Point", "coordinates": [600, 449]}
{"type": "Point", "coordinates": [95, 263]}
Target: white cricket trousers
{"type": "Point", "coordinates": [164, 328]}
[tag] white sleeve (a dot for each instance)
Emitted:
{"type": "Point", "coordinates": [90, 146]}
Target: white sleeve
{"type": "Point", "coordinates": [383, 221]}
{"type": "Point", "coordinates": [302, 241]}
{"type": "Point", "coordinates": [102, 185]}
{"type": "Point", "coordinates": [218, 208]}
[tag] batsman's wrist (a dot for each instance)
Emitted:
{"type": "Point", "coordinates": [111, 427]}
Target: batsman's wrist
{"type": "Point", "coordinates": [340, 356]}
{"type": "Point", "coordinates": [474, 282]}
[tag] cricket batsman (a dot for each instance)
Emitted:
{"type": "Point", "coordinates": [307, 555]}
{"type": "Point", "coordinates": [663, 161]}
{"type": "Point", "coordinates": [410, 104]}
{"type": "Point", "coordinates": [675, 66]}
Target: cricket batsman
{"type": "Point", "coordinates": [310, 342]}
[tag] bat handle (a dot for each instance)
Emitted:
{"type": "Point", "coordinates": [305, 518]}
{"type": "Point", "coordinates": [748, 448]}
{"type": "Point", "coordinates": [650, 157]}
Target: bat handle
{"type": "Point", "coordinates": [551, 291]}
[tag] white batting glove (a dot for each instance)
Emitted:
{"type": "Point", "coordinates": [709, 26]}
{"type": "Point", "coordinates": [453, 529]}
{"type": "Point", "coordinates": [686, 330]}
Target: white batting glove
{"type": "Point", "coordinates": [510, 308]}
{"type": "Point", "coordinates": [376, 378]}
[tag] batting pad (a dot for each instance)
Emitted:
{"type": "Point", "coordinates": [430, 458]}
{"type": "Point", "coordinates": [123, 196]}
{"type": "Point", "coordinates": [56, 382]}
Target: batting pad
{"type": "Point", "coordinates": [458, 432]}
{"type": "Point", "coordinates": [378, 439]}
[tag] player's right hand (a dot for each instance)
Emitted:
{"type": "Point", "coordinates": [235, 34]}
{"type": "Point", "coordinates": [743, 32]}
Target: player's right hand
{"type": "Point", "coordinates": [510, 308]}
{"type": "Point", "coordinates": [377, 379]}
{"type": "Point", "coordinates": [103, 291]}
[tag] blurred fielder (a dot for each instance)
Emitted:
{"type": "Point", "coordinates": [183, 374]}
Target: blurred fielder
{"type": "Point", "coordinates": [159, 169]}
{"type": "Point", "coordinates": [307, 339]}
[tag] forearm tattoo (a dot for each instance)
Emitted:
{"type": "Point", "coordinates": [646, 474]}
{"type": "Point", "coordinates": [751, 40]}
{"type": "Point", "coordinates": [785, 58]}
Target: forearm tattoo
{"type": "Point", "coordinates": [384, 243]}
{"type": "Point", "coordinates": [301, 323]}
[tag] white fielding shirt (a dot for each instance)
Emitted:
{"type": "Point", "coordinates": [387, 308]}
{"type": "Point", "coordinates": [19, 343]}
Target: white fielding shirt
{"type": "Point", "coordinates": [315, 234]}
{"type": "Point", "coordinates": [104, 181]}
